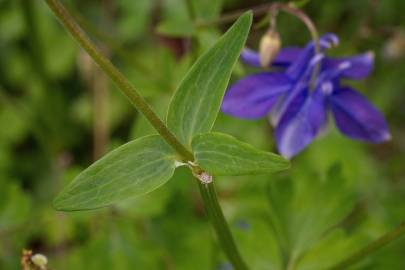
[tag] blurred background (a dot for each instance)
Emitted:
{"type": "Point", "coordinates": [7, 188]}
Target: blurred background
{"type": "Point", "coordinates": [59, 113]}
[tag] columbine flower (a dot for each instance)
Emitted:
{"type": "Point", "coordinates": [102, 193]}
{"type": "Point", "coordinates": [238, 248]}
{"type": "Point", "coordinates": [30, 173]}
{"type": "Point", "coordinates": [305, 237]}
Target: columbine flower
{"type": "Point", "coordinates": [298, 112]}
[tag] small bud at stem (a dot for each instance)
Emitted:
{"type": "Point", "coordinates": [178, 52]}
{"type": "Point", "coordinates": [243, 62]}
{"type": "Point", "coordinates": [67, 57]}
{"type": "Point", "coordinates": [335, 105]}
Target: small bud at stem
{"type": "Point", "coordinates": [269, 47]}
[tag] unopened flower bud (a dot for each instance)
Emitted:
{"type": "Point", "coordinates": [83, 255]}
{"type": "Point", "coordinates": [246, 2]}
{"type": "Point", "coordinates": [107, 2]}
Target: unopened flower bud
{"type": "Point", "coordinates": [395, 46]}
{"type": "Point", "coordinates": [39, 260]}
{"type": "Point", "coordinates": [269, 47]}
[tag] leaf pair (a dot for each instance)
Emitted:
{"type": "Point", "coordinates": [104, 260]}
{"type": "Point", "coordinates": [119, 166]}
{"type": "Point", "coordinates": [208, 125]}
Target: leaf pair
{"type": "Point", "coordinates": [143, 165]}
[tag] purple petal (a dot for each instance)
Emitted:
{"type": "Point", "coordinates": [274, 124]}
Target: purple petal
{"type": "Point", "coordinates": [360, 65]}
{"type": "Point", "coordinates": [284, 58]}
{"type": "Point", "coordinates": [301, 85]}
{"type": "Point", "coordinates": [333, 73]}
{"type": "Point", "coordinates": [250, 57]}
{"type": "Point", "coordinates": [301, 123]}
{"type": "Point", "coordinates": [253, 96]}
{"type": "Point", "coordinates": [299, 65]}
{"type": "Point", "coordinates": [357, 118]}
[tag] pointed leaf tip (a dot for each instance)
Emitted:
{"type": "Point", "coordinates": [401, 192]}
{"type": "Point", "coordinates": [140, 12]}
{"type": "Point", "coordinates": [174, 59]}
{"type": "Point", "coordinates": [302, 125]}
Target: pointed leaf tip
{"type": "Point", "coordinates": [132, 169]}
{"type": "Point", "coordinates": [222, 154]}
{"type": "Point", "coordinates": [195, 105]}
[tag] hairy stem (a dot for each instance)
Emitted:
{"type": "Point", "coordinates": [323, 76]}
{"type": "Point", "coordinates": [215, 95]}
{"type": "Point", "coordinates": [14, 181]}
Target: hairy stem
{"type": "Point", "coordinates": [272, 9]}
{"type": "Point", "coordinates": [212, 206]}
{"type": "Point", "coordinates": [123, 84]}
{"type": "Point", "coordinates": [371, 247]}
{"type": "Point", "coordinates": [275, 7]}
{"type": "Point", "coordinates": [207, 190]}
{"type": "Point", "coordinates": [232, 16]}
{"type": "Point", "coordinates": [220, 225]}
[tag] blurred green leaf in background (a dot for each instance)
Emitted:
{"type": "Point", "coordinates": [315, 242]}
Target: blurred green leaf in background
{"type": "Point", "coordinates": [338, 195]}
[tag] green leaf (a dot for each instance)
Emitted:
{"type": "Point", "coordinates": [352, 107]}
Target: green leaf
{"type": "Point", "coordinates": [207, 10]}
{"type": "Point", "coordinates": [135, 168]}
{"type": "Point", "coordinates": [175, 19]}
{"type": "Point", "coordinates": [336, 245]}
{"type": "Point", "coordinates": [196, 103]}
{"type": "Point", "coordinates": [134, 18]}
{"type": "Point", "coordinates": [15, 205]}
{"type": "Point", "coordinates": [295, 211]}
{"type": "Point", "coordinates": [177, 22]}
{"type": "Point", "coordinates": [176, 28]}
{"type": "Point", "coordinates": [221, 154]}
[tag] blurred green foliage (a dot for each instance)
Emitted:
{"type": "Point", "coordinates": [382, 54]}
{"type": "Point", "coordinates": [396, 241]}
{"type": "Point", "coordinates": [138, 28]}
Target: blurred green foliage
{"type": "Point", "coordinates": [338, 195]}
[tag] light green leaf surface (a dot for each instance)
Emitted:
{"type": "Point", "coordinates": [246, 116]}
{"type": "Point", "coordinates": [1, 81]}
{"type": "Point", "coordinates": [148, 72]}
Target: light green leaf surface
{"type": "Point", "coordinates": [175, 19]}
{"type": "Point", "coordinates": [135, 168]}
{"type": "Point", "coordinates": [178, 22]}
{"type": "Point", "coordinates": [196, 103]}
{"type": "Point", "coordinates": [222, 154]}
{"type": "Point", "coordinates": [176, 28]}
{"type": "Point", "coordinates": [305, 208]}
{"type": "Point", "coordinates": [207, 10]}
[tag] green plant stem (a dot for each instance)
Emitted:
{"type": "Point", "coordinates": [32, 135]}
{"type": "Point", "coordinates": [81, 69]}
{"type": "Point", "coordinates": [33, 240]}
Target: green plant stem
{"type": "Point", "coordinates": [123, 84]}
{"type": "Point", "coordinates": [220, 225]}
{"type": "Point", "coordinates": [211, 204]}
{"type": "Point", "coordinates": [273, 8]}
{"type": "Point", "coordinates": [373, 246]}
{"type": "Point", "coordinates": [232, 16]}
{"type": "Point", "coordinates": [207, 190]}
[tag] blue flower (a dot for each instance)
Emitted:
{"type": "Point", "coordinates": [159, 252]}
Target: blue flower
{"type": "Point", "coordinates": [298, 112]}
